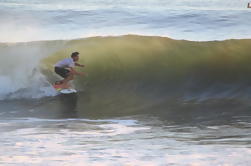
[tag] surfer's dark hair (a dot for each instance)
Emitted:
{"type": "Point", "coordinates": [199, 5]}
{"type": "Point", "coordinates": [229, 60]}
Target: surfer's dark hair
{"type": "Point", "coordinates": [74, 54]}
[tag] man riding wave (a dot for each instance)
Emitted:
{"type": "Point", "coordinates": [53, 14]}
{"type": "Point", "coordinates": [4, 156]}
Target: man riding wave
{"type": "Point", "coordinates": [65, 68]}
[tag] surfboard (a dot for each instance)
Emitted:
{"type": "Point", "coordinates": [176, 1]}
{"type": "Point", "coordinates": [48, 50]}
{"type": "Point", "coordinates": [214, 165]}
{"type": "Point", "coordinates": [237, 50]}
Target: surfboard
{"type": "Point", "coordinates": [68, 90]}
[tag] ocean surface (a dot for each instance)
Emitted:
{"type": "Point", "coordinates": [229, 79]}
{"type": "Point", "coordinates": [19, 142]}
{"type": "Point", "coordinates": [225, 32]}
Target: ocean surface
{"type": "Point", "coordinates": [166, 83]}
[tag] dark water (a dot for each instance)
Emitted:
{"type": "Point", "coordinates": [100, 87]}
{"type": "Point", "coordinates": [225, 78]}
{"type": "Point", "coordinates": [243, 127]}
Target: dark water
{"type": "Point", "coordinates": [73, 128]}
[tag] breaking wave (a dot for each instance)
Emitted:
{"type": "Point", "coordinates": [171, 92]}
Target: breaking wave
{"type": "Point", "coordinates": [132, 67]}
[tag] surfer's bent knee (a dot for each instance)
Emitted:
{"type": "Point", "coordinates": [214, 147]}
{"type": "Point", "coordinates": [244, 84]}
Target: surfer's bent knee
{"type": "Point", "coordinates": [70, 76]}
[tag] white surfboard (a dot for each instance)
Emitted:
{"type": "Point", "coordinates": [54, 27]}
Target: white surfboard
{"type": "Point", "coordinates": [68, 91]}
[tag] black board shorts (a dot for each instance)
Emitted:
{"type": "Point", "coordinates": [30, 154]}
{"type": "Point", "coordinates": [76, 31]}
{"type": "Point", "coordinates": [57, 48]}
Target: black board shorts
{"type": "Point", "coordinates": [62, 71]}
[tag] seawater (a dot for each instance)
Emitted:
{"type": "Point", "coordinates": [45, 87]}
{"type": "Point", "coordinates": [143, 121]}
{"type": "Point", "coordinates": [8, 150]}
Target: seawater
{"type": "Point", "coordinates": [43, 133]}
{"type": "Point", "coordinates": [176, 91]}
{"type": "Point", "coordinates": [184, 19]}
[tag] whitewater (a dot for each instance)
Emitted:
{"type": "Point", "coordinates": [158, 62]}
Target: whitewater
{"type": "Point", "coordinates": [166, 83]}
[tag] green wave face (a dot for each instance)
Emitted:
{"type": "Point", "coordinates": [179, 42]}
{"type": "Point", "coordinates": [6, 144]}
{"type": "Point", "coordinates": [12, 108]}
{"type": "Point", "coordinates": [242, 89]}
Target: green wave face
{"type": "Point", "coordinates": [156, 63]}
{"type": "Point", "coordinates": [139, 70]}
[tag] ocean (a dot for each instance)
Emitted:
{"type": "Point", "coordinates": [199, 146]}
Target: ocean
{"type": "Point", "coordinates": [166, 83]}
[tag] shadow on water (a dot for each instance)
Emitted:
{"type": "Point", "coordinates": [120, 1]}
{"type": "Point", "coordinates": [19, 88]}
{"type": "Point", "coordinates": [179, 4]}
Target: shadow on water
{"type": "Point", "coordinates": [89, 106]}
{"type": "Point", "coordinates": [68, 105]}
{"type": "Point", "coordinates": [57, 107]}
{"type": "Point", "coordinates": [210, 112]}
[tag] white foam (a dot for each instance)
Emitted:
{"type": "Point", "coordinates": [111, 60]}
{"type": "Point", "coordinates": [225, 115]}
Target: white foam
{"type": "Point", "coordinates": [20, 76]}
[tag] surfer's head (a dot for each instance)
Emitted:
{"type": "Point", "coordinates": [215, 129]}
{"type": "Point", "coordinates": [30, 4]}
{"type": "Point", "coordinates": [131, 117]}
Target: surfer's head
{"type": "Point", "coordinates": [75, 56]}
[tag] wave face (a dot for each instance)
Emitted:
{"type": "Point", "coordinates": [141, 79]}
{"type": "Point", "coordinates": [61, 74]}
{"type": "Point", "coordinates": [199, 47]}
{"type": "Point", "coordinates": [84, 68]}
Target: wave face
{"type": "Point", "coordinates": [135, 68]}
{"type": "Point", "coordinates": [157, 67]}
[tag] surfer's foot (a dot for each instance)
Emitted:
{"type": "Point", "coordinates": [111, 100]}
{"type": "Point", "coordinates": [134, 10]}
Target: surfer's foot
{"type": "Point", "coordinates": [59, 82]}
{"type": "Point", "coordinates": [65, 85]}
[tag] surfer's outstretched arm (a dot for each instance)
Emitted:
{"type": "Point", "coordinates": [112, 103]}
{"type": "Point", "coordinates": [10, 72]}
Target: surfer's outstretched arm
{"type": "Point", "coordinates": [77, 64]}
{"type": "Point", "coordinates": [74, 72]}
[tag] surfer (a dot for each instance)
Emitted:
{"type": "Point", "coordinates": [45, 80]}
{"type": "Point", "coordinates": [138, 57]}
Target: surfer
{"type": "Point", "coordinates": [65, 68]}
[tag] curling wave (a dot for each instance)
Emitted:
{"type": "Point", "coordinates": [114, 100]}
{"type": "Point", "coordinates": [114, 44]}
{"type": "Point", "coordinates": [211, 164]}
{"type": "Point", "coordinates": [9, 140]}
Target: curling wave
{"type": "Point", "coordinates": [141, 67]}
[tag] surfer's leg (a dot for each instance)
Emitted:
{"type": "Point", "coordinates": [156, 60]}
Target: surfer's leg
{"type": "Point", "coordinates": [63, 73]}
{"type": "Point", "coordinates": [65, 82]}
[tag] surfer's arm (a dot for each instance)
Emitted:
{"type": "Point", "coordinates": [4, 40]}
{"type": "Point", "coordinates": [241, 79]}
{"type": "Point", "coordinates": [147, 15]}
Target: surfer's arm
{"type": "Point", "coordinates": [77, 64]}
{"type": "Point", "coordinates": [73, 71]}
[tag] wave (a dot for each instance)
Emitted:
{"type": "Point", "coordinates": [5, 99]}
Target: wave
{"type": "Point", "coordinates": [133, 68]}
{"type": "Point", "coordinates": [20, 76]}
